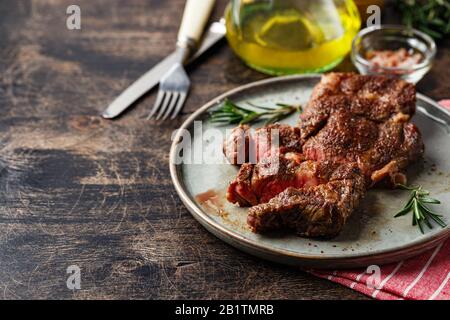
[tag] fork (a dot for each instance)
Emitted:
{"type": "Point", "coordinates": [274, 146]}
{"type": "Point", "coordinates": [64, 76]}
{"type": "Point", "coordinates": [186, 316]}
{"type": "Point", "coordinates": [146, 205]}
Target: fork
{"type": "Point", "coordinates": [175, 84]}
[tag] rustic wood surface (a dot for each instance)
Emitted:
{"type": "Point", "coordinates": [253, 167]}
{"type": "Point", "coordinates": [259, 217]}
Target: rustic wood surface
{"type": "Point", "coordinates": [79, 190]}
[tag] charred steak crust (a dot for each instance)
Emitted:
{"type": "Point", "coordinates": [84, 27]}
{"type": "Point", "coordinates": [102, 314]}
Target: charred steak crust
{"type": "Point", "coordinates": [372, 145]}
{"type": "Point", "coordinates": [289, 139]}
{"type": "Point", "coordinates": [354, 133]}
{"type": "Point", "coordinates": [319, 211]}
{"type": "Point", "coordinates": [376, 98]}
{"type": "Point", "coordinates": [363, 119]}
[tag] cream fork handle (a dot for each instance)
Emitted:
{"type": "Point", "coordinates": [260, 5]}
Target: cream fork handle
{"type": "Point", "coordinates": [196, 15]}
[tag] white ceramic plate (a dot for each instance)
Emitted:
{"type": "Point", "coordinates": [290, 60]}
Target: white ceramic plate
{"type": "Point", "coordinates": [371, 236]}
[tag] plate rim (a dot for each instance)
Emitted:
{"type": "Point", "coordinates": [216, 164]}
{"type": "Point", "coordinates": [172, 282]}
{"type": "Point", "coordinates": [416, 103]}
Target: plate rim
{"type": "Point", "coordinates": [249, 245]}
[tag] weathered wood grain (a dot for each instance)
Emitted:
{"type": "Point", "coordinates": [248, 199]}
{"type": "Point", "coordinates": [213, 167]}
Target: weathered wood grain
{"type": "Point", "coordinates": [77, 189]}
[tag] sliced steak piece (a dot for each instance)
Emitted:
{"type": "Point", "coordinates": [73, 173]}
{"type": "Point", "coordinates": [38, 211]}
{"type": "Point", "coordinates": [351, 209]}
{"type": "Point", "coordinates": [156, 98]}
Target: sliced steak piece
{"type": "Point", "coordinates": [240, 189]}
{"type": "Point", "coordinates": [236, 146]}
{"type": "Point", "coordinates": [261, 182]}
{"type": "Point", "coordinates": [277, 139]}
{"type": "Point", "coordinates": [240, 146]}
{"type": "Point", "coordinates": [319, 211]}
{"type": "Point", "coordinates": [268, 176]}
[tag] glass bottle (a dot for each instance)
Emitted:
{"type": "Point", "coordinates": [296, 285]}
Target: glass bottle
{"type": "Point", "coordinates": [291, 36]}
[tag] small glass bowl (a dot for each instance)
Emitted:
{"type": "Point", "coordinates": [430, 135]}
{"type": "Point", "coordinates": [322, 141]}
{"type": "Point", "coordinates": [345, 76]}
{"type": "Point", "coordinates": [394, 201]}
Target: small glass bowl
{"type": "Point", "coordinates": [393, 37]}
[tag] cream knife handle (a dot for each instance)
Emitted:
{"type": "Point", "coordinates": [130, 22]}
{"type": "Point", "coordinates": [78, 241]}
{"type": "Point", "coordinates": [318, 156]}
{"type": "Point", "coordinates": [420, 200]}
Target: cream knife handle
{"type": "Point", "coordinates": [196, 15]}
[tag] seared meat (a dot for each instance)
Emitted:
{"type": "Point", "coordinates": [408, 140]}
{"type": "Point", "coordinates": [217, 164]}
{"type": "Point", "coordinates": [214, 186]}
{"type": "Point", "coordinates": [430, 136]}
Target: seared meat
{"type": "Point", "coordinates": [354, 133]}
{"type": "Point", "coordinates": [375, 98]}
{"type": "Point", "coordinates": [372, 145]}
{"type": "Point", "coordinates": [277, 139]}
{"type": "Point", "coordinates": [319, 211]}
{"type": "Point", "coordinates": [261, 182]}
{"type": "Point", "coordinates": [240, 147]}
{"type": "Point", "coordinates": [236, 146]}
{"type": "Point", "coordinates": [362, 119]}
{"type": "Point", "coordinates": [266, 162]}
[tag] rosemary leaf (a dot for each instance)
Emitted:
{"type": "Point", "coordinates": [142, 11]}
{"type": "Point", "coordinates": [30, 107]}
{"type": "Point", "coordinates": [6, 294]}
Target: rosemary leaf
{"type": "Point", "coordinates": [250, 118]}
{"type": "Point", "coordinates": [404, 211]}
{"type": "Point", "coordinates": [230, 113]}
{"type": "Point", "coordinates": [430, 200]}
{"type": "Point", "coordinates": [421, 213]}
{"type": "Point", "coordinates": [261, 107]}
{"type": "Point", "coordinates": [438, 221]}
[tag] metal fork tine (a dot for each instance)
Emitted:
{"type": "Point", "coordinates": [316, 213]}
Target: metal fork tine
{"type": "Point", "coordinates": [165, 105]}
{"type": "Point", "coordinates": [175, 97]}
{"type": "Point", "coordinates": [179, 105]}
{"type": "Point", "coordinates": [157, 104]}
{"type": "Point", "coordinates": [173, 89]}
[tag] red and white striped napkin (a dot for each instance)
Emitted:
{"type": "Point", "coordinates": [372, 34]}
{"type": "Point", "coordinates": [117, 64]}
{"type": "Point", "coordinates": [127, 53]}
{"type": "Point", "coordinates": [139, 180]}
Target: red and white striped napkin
{"type": "Point", "coordinates": [425, 277]}
{"type": "Point", "coordinates": [445, 103]}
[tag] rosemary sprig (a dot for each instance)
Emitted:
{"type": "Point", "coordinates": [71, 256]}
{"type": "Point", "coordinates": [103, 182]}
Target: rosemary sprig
{"type": "Point", "coordinates": [418, 203]}
{"type": "Point", "coordinates": [429, 16]}
{"type": "Point", "coordinates": [230, 113]}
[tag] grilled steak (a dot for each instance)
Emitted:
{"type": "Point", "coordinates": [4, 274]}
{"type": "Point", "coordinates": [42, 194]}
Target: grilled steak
{"type": "Point", "coordinates": [381, 149]}
{"type": "Point", "coordinates": [266, 139]}
{"type": "Point", "coordinates": [261, 182]}
{"type": "Point", "coordinates": [240, 147]}
{"type": "Point", "coordinates": [354, 134]}
{"type": "Point", "coordinates": [319, 211]}
{"type": "Point", "coordinates": [375, 98]}
{"type": "Point", "coordinates": [362, 119]}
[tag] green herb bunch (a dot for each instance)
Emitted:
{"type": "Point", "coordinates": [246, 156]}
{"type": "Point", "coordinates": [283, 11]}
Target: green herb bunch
{"type": "Point", "coordinates": [230, 113]}
{"type": "Point", "coordinates": [429, 16]}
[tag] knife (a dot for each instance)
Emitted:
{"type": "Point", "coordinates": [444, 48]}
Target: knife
{"type": "Point", "coordinates": [151, 78]}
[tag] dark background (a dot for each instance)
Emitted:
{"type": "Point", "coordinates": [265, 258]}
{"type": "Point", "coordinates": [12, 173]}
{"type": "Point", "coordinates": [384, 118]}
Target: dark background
{"type": "Point", "coordinates": [77, 189]}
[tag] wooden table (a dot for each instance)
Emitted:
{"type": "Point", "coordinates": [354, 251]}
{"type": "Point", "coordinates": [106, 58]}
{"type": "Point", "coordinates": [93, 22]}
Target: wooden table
{"type": "Point", "coordinates": [79, 190]}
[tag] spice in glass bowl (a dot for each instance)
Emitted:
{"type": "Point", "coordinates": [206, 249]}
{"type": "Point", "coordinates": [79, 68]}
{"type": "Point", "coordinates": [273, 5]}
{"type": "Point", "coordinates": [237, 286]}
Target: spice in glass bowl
{"type": "Point", "coordinates": [401, 58]}
{"type": "Point", "coordinates": [393, 51]}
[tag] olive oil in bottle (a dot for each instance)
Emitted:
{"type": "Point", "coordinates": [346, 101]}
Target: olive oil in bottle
{"type": "Point", "coordinates": [292, 36]}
